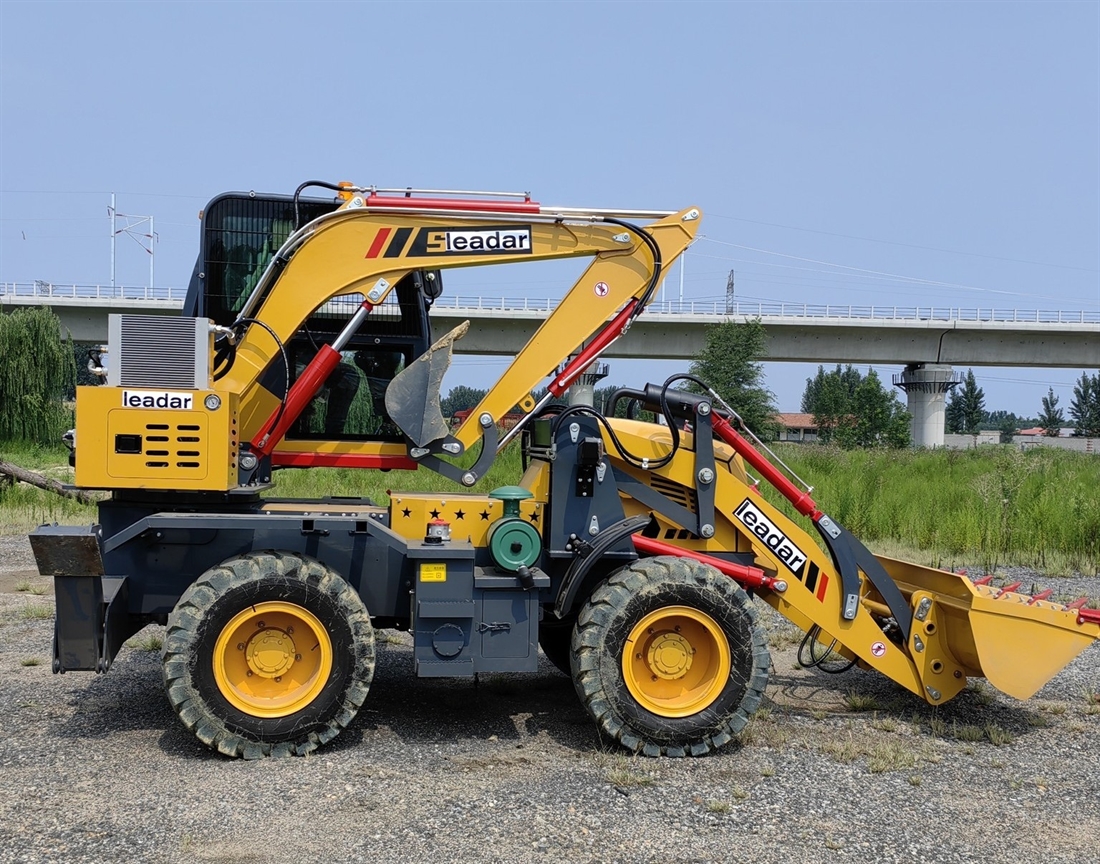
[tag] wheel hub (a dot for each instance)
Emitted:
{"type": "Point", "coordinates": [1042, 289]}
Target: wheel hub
{"type": "Point", "coordinates": [270, 653]}
{"type": "Point", "coordinates": [676, 661]}
{"type": "Point", "coordinates": [670, 656]}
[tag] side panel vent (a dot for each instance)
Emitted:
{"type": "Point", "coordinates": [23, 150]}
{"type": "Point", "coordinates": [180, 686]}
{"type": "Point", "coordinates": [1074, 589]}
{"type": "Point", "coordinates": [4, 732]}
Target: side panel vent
{"type": "Point", "coordinates": [159, 352]}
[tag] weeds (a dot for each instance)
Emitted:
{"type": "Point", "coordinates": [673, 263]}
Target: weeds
{"type": "Point", "coordinates": [30, 661]}
{"type": "Point", "coordinates": [621, 772]}
{"type": "Point", "coordinates": [891, 755]}
{"type": "Point", "coordinates": [36, 612]}
{"type": "Point", "coordinates": [858, 702]}
{"type": "Point", "coordinates": [998, 736]}
{"type": "Point", "coordinates": [147, 642]}
{"type": "Point", "coordinates": [715, 806]}
{"type": "Point", "coordinates": [23, 586]}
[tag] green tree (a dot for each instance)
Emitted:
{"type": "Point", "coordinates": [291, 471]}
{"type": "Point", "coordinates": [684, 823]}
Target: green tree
{"type": "Point", "coordinates": [965, 411]}
{"type": "Point", "coordinates": [729, 362]}
{"type": "Point", "coordinates": [459, 399]}
{"type": "Point", "coordinates": [1084, 410]}
{"type": "Point", "coordinates": [853, 410]}
{"type": "Point", "coordinates": [1051, 417]}
{"type": "Point", "coordinates": [36, 372]}
{"type": "Point", "coordinates": [953, 415]}
{"type": "Point", "coordinates": [1008, 428]}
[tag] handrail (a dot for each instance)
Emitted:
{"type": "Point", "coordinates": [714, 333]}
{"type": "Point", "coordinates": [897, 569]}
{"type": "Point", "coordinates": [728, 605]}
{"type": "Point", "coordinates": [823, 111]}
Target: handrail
{"type": "Point", "coordinates": [719, 308]}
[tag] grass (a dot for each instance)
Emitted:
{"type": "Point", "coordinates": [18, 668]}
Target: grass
{"type": "Point", "coordinates": [36, 612]}
{"type": "Point", "coordinates": [30, 661]}
{"type": "Point", "coordinates": [858, 702]}
{"type": "Point", "coordinates": [147, 642]}
{"type": "Point", "coordinates": [621, 770]}
{"type": "Point", "coordinates": [991, 506]}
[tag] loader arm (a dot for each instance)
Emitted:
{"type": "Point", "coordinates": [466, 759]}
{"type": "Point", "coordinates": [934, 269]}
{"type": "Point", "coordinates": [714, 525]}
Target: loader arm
{"type": "Point", "coordinates": [928, 630]}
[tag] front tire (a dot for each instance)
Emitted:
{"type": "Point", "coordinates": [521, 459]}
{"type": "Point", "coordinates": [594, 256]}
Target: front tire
{"type": "Point", "coordinates": [268, 653]}
{"type": "Point", "coordinates": [668, 659]}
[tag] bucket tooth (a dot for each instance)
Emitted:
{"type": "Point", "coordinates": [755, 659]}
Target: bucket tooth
{"type": "Point", "coordinates": [1042, 595]}
{"type": "Point", "coordinates": [1079, 603]}
{"type": "Point", "coordinates": [1009, 589]}
{"type": "Point", "coordinates": [985, 580]}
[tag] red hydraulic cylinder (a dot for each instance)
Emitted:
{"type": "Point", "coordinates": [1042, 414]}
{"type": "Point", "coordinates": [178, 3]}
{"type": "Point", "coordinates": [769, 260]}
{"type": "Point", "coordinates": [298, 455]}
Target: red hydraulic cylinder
{"type": "Point", "coordinates": [592, 351]}
{"type": "Point", "coordinates": [802, 501]}
{"type": "Point", "coordinates": [749, 577]}
{"type": "Point", "coordinates": [478, 205]}
{"type": "Point", "coordinates": [304, 389]}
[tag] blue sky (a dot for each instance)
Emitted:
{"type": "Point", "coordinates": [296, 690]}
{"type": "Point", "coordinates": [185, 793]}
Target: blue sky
{"type": "Point", "coordinates": [956, 145]}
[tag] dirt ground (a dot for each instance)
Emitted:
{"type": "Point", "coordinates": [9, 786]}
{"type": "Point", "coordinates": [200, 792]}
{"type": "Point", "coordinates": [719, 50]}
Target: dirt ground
{"type": "Point", "coordinates": [510, 768]}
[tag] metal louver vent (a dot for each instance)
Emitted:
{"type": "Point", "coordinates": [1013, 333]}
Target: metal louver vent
{"type": "Point", "coordinates": [159, 352]}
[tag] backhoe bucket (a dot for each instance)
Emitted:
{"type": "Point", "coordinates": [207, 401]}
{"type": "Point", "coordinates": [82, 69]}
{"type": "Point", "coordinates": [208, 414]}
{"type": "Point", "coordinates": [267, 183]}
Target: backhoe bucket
{"type": "Point", "coordinates": [412, 399]}
{"type": "Point", "coordinates": [1015, 641]}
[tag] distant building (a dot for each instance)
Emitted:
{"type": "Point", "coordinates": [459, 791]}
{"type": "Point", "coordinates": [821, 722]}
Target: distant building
{"type": "Point", "coordinates": [797, 427]}
{"type": "Point", "coordinates": [1064, 432]}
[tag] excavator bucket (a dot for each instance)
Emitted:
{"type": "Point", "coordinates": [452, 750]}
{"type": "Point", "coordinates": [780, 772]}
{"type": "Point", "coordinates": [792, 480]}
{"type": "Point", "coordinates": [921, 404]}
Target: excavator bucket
{"type": "Point", "coordinates": [1016, 641]}
{"type": "Point", "coordinates": [412, 399]}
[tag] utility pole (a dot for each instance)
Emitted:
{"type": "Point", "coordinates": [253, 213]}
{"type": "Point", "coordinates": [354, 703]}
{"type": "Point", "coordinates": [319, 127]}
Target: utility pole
{"type": "Point", "coordinates": [133, 226]}
{"type": "Point", "coordinates": [730, 302]}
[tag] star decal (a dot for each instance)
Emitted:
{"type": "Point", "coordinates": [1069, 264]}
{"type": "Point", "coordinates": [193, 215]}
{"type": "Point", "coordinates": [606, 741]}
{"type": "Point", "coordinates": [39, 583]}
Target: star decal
{"type": "Point", "coordinates": [534, 517]}
{"type": "Point", "coordinates": [406, 512]}
{"type": "Point", "coordinates": [459, 514]}
{"type": "Point", "coordinates": [484, 515]}
{"type": "Point", "coordinates": [434, 514]}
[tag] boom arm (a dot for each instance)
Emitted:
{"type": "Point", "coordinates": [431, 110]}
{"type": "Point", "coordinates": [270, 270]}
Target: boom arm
{"type": "Point", "coordinates": [367, 246]}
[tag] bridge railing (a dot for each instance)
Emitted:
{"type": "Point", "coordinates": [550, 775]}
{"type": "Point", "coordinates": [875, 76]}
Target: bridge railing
{"type": "Point", "coordinates": [719, 309]}
{"type": "Point", "coordinates": [51, 290]}
{"type": "Point", "coordinates": [797, 310]}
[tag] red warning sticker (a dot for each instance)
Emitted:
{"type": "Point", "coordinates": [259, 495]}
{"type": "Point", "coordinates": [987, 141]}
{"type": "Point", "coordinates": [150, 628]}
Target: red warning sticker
{"type": "Point", "coordinates": [878, 648]}
{"type": "Point", "coordinates": [601, 289]}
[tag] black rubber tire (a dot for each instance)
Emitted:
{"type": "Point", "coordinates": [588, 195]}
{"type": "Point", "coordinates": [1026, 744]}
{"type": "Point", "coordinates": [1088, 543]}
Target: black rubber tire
{"type": "Point", "coordinates": [212, 601]}
{"type": "Point", "coordinates": [555, 640]}
{"type": "Point", "coordinates": [605, 622]}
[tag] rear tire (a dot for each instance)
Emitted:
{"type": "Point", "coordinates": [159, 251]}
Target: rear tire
{"type": "Point", "coordinates": [266, 654]}
{"type": "Point", "coordinates": [668, 659]}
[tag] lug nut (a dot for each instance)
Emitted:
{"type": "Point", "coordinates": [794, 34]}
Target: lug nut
{"type": "Point", "coordinates": [289, 631]}
{"type": "Point", "coordinates": [297, 656]}
{"type": "Point", "coordinates": [260, 625]}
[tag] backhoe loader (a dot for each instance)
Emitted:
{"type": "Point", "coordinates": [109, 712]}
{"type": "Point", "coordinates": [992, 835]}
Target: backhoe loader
{"type": "Point", "coordinates": [629, 551]}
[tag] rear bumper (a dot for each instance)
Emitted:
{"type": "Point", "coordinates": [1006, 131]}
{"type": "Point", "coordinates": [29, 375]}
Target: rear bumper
{"type": "Point", "coordinates": [92, 619]}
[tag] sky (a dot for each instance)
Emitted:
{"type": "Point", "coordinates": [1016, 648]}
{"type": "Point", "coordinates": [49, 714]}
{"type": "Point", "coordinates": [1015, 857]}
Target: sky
{"type": "Point", "coordinates": [844, 153]}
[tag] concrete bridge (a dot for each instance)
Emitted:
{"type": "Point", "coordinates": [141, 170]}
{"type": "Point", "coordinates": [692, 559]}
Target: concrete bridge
{"type": "Point", "coordinates": [926, 339]}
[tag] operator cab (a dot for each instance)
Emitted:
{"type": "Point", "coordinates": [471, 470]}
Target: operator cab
{"type": "Point", "coordinates": [241, 232]}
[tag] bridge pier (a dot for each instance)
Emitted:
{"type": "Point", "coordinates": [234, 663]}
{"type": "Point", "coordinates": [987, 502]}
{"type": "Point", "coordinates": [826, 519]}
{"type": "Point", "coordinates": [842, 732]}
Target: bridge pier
{"type": "Point", "coordinates": [583, 391]}
{"type": "Point", "coordinates": [926, 386]}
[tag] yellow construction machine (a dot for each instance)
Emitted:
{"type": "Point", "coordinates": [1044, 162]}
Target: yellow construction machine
{"type": "Point", "coordinates": [627, 550]}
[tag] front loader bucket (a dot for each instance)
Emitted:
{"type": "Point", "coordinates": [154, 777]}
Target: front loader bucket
{"type": "Point", "coordinates": [412, 399]}
{"type": "Point", "coordinates": [1015, 641]}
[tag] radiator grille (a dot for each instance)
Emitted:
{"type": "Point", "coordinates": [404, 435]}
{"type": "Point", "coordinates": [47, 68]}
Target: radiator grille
{"type": "Point", "coordinates": [159, 352]}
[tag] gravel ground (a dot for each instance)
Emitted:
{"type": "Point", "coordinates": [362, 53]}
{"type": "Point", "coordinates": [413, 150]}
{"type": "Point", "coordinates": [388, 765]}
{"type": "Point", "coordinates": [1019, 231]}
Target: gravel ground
{"type": "Point", "coordinates": [98, 769]}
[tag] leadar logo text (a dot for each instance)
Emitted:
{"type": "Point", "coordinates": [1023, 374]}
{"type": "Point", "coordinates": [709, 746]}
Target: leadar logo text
{"type": "Point", "coordinates": [157, 399]}
{"type": "Point", "coordinates": [754, 519]}
{"type": "Point", "coordinates": [495, 240]}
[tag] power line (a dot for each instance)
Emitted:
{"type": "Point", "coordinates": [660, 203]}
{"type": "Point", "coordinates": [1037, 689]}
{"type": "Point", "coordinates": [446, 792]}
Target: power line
{"type": "Point", "coordinates": [905, 245]}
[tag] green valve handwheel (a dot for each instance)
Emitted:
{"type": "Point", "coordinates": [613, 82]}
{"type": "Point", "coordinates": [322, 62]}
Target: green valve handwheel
{"type": "Point", "coordinates": [513, 542]}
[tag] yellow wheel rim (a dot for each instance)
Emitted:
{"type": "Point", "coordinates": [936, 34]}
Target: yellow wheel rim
{"type": "Point", "coordinates": [272, 659]}
{"type": "Point", "coordinates": [676, 661]}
